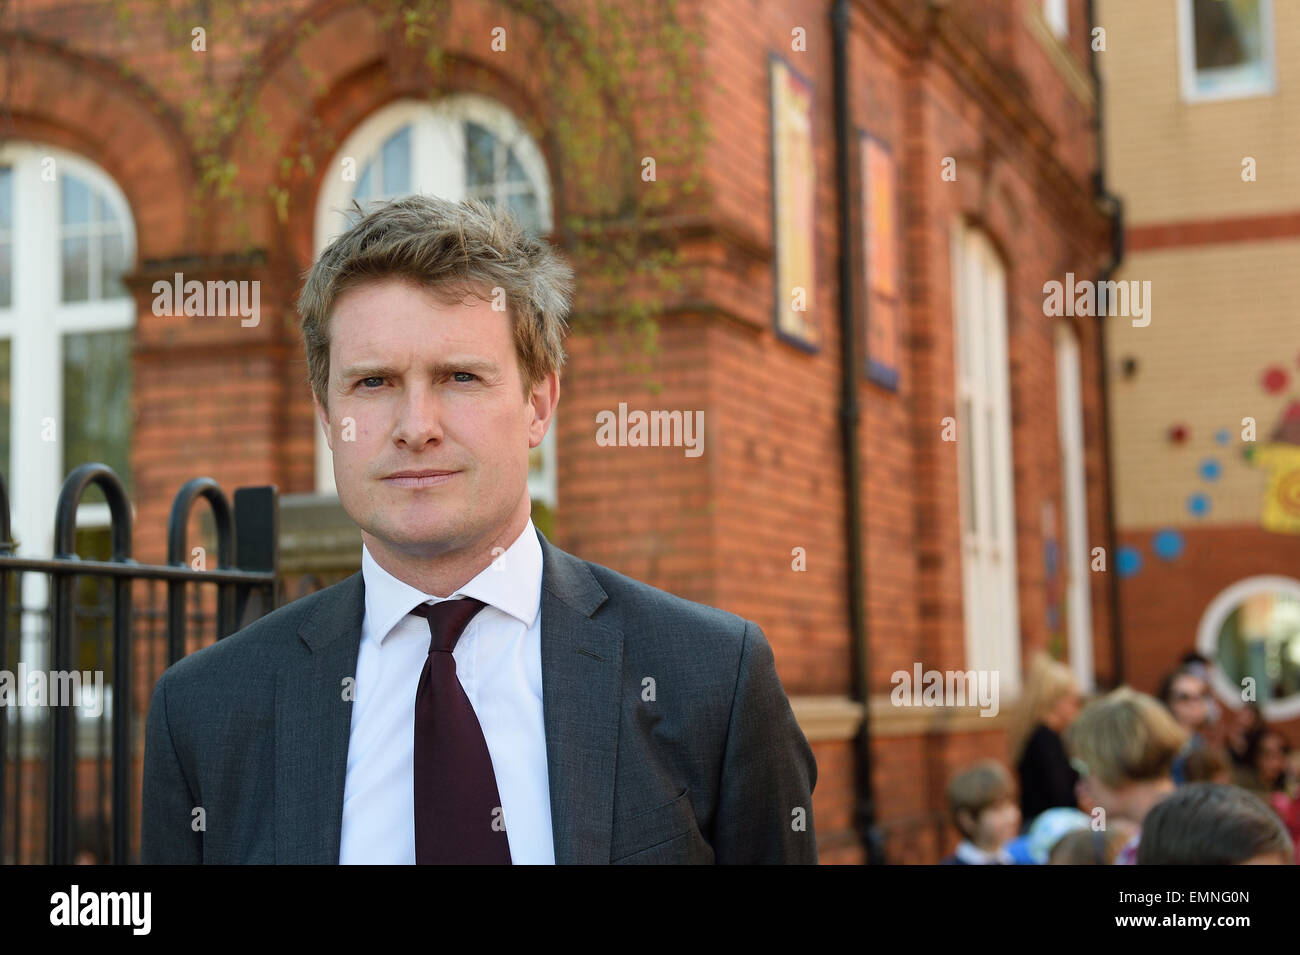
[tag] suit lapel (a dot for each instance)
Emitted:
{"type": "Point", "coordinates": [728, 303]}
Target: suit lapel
{"type": "Point", "coordinates": [582, 666]}
{"type": "Point", "coordinates": [313, 722]}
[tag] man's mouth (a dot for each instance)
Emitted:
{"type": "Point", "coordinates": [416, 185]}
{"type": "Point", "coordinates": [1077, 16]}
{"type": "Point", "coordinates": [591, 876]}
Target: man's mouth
{"type": "Point", "coordinates": [416, 479]}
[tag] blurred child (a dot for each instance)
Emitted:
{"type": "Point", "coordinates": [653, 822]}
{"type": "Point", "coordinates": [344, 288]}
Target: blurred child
{"type": "Point", "coordinates": [1209, 764]}
{"type": "Point", "coordinates": [1090, 846]}
{"type": "Point", "coordinates": [1050, 828]}
{"type": "Point", "coordinates": [984, 810]}
{"type": "Point", "coordinates": [1214, 824]}
{"type": "Point", "coordinates": [1124, 745]}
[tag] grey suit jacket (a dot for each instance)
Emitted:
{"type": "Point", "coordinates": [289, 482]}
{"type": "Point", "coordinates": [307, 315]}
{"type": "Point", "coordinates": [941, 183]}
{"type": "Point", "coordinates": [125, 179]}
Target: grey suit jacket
{"type": "Point", "coordinates": [254, 731]}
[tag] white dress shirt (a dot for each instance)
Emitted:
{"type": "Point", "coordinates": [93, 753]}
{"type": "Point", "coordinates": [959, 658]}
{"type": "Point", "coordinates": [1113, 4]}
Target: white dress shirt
{"type": "Point", "coordinates": [972, 854]}
{"type": "Point", "coordinates": [499, 663]}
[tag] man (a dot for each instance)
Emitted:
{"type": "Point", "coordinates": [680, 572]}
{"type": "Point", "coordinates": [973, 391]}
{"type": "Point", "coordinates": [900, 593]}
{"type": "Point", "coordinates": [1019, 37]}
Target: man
{"type": "Point", "coordinates": [474, 694]}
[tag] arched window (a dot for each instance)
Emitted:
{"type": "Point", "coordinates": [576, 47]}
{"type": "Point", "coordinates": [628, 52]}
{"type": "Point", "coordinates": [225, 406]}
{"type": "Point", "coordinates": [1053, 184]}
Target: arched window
{"type": "Point", "coordinates": [66, 239]}
{"type": "Point", "coordinates": [463, 146]}
{"type": "Point", "coordinates": [65, 328]}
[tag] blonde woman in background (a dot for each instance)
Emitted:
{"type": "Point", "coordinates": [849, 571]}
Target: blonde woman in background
{"type": "Point", "coordinates": [1126, 743]}
{"type": "Point", "coordinates": [1051, 702]}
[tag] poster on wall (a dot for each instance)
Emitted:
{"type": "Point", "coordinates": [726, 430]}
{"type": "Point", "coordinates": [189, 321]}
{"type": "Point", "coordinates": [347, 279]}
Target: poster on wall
{"type": "Point", "coordinates": [882, 298]}
{"type": "Point", "coordinates": [793, 194]}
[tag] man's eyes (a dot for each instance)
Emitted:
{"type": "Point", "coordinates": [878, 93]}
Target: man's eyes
{"type": "Point", "coordinates": [463, 377]}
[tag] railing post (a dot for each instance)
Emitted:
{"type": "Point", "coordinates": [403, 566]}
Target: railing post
{"type": "Point", "coordinates": [178, 552]}
{"type": "Point", "coordinates": [63, 778]}
{"type": "Point", "coordinates": [257, 531]}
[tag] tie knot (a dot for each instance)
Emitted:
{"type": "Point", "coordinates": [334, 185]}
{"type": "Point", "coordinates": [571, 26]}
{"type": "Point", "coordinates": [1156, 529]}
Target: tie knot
{"type": "Point", "coordinates": [447, 620]}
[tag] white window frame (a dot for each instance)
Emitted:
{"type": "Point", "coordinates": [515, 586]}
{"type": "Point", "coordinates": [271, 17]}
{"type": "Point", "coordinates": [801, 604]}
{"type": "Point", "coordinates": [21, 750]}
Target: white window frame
{"type": "Point", "coordinates": [1207, 639]}
{"type": "Point", "coordinates": [35, 325]}
{"type": "Point", "coordinates": [1057, 15]}
{"type": "Point", "coordinates": [1243, 87]}
{"type": "Point", "coordinates": [437, 132]}
{"type": "Point", "coordinates": [1075, 564]}
{"type": "Point", "coordinates": [990, 601]}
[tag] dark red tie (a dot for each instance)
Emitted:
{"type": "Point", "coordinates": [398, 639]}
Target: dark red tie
{"type": "Point", "coordinates": [458, 814]}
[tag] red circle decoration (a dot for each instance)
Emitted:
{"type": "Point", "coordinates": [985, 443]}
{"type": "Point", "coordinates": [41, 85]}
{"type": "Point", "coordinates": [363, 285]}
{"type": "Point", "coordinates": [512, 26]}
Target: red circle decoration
{"type": "Point", "coordinates": [1178, 433]}
{"type": "Point", "coordinates": [1275, 379]}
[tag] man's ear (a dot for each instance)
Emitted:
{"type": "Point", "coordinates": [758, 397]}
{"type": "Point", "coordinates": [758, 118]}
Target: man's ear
{"type": "Point", "coordinates": [543, 397]}
{"type": "Point", "coordinates": [324, 420]}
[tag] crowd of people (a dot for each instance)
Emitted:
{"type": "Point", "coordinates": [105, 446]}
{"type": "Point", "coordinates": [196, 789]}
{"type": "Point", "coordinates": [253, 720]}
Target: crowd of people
{"type": "Point", "coordinates": [1131, 779]}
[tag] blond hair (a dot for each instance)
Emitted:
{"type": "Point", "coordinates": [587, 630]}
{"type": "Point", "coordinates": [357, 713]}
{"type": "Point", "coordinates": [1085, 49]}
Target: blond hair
{"type": "Point", "coordinates": [453, 249]}
{"type": "Point", "coordinates": [1126, 737]}
{"type": "Point", "coordinates": [1048, 681]}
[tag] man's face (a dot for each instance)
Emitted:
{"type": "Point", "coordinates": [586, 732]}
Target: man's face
{"type": "Point", "coordinates": [418, 385]}
{"type": "Point", "coordinates": [1189, 701]}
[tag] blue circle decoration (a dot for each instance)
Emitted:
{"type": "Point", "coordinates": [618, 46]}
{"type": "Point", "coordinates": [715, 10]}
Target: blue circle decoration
{"type": "Point", "coordinates": [1210, 469]}
{"type": "Point", "coordinates": [1168, 544]}
{"type": "Point", "coordinates": [1129, 561]}
{"type": "Point", "coordinates": [1198, 504]}
{"type": "Point", "coordinates": [1222, 436]}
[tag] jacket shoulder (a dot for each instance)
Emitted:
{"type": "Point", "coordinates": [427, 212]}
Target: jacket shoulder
{"type": "Point", "coordinates": [256, 646]}
{"type": "Point", "coordinates": [643, 602]}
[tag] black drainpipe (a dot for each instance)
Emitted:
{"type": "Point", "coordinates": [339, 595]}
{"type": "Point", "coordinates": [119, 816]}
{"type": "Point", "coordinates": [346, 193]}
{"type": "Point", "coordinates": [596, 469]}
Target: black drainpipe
{"type": "Point", "coordinates": [849, 417]}
{"type": "Point", "coordinates": [1116, 205]}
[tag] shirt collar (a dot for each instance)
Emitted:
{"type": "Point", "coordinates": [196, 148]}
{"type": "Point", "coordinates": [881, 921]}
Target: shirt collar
{"type": "Point", "coordinates": [970, 853]}
{"type": "Point", "coordinates": [512, 584]}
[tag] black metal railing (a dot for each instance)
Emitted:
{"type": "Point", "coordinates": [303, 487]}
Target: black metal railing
{"type": "Point", "coordinates": [245, 579]}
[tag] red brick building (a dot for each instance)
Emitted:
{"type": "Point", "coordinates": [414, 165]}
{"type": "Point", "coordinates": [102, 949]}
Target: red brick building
{"type": "Point", "coordinates": [219, 148]}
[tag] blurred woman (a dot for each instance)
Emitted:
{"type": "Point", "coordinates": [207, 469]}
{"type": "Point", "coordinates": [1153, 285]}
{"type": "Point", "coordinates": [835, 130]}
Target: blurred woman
{"type": "Point", "coordinates": [1125, 744]}
{"type": "Point", "coordinates": [1051, 702]}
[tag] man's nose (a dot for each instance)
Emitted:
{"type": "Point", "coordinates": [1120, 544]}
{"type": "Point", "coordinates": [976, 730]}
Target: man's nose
{"type": "Point", "coordinates": [419, 417]}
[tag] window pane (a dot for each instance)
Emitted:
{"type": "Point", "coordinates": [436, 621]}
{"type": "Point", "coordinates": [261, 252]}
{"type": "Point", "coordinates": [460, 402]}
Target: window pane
{"type": "Point", "coordinates": [76, 269]}
{"type": "Point", "coordinates": [990, 479]}
{"type": "Point", "coordinates": [524, 206]}
{"type": "Point", "coordinates": [481, 146]}
{"type": "Point", "coordinates": [97, 402]}
{"type": "Point", "coordinates": [396, 157]}
{"type": "Point", "coordinates": [103, 211]}
{"type": "Point", "coordinates": [966, 451]}
{"type": "Point", "coordinates": [76, 201]}
{"type": "Point", "coordinates": [6, 197]}
{"type": "Point", "coordinates": [365, 185]}
{"type": "Point", "coordinates": [6, 271]}
{"type": "Point", "coordinates": [514, 171]}
{"type": "Point", "coordinates": [1227, 33]}
{"type": "Point", "coordinates": [94, 251]}
{"type": "Point", "coordinates": [4, 413]}
{"type": "Point", "coordinates": [112, 266]}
